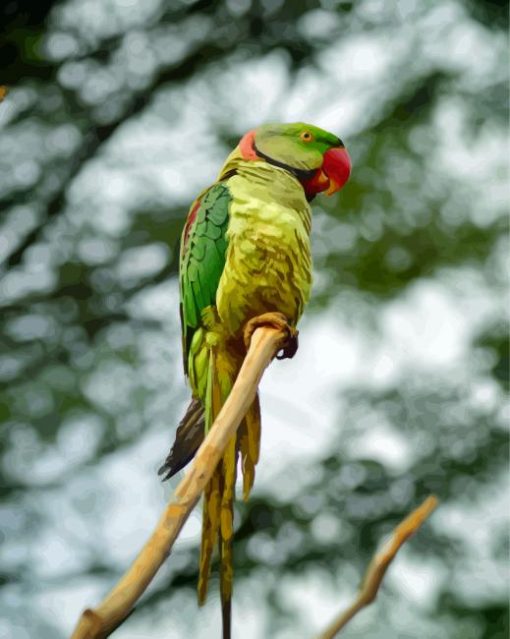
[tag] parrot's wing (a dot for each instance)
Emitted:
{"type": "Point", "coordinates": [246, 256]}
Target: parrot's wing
{"type": "Point", "coordinates": [203, 249]}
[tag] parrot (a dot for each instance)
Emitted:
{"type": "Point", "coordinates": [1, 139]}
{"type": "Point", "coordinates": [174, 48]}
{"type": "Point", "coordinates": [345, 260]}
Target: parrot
{"type": "Point", "coordinates": [245, 253]}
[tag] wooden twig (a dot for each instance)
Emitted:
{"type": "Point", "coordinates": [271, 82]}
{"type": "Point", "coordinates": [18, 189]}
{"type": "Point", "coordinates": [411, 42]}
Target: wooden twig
{"type": "Point", "coordinates": [100, 622]}
{"type": "Point", "coordinates": [379, 564]}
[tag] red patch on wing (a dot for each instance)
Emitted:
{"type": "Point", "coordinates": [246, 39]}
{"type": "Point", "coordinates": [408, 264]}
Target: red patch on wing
{"type": "Point", "coordinates": [192, 216]}
{"type": "Point", "coordinates": [247, 146]}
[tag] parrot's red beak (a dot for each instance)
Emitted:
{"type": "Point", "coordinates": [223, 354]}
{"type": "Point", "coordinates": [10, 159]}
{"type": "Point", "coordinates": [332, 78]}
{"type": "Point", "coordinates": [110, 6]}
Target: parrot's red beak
{"type": "Point", "coordinates": [331, 176]}
{"type": "Point", "coordinates": [337, 167]}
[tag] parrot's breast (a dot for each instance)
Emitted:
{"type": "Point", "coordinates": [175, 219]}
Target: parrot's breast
{"type": "Point", "coordinates": [268, 263]}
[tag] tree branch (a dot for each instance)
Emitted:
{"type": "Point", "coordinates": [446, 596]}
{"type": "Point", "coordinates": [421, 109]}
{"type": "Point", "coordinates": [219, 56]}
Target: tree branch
{"type": "Point", "coordinates": [379, 565]}
{"type": "Point", "coordinates": [98, 623]}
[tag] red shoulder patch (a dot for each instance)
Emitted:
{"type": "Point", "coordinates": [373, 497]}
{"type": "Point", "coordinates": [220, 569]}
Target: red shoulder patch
{"type": "Point", "coordinates": [192, 216]}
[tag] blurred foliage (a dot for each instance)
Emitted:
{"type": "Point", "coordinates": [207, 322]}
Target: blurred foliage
{"type": "Point", "coordinates": [118, 113]}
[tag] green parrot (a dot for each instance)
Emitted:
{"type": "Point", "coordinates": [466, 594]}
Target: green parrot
{"type": "Point", "coordinates": [245, 252]}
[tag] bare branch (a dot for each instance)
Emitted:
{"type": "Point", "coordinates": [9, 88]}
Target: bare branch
{"type": "Point", "coordinates": [117, 605]}
{"type": "Point", "coordinates": [379, 565]}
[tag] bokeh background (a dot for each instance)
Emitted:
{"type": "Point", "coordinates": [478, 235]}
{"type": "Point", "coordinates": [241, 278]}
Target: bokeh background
{"type": "Point", "coordinates": [119, 113]}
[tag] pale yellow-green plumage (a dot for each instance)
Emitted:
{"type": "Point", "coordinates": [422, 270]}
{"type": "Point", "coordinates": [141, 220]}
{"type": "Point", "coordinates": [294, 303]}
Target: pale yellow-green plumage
{"type": "Point", "coordinates": [268, 265]}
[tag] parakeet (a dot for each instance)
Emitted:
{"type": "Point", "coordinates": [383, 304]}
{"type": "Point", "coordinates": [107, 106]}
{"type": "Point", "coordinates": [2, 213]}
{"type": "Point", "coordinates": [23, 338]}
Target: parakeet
{"type": "Point", "coordinates": [245, 251]}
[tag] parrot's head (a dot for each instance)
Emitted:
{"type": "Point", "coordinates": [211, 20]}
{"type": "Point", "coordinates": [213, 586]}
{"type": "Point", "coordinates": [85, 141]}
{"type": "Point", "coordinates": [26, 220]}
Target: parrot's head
{"type": "Point", "coordinates": [318, 159]}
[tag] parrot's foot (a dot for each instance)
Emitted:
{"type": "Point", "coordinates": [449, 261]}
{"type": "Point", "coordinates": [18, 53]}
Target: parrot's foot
{"type": "Point", "coordinates": [280, 322]}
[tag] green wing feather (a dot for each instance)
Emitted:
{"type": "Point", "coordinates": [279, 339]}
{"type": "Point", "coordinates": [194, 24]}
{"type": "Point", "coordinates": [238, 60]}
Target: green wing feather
{"type": "Point", "coordinates": [203, 249]}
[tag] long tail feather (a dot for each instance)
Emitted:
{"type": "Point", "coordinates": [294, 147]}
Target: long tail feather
{"type": "Point", "coordinates": [249, 445]}
{"type": "Point", "coordinates": [213, 490]}
{"type": "Point", "coordinates": [210, 527]}
{"type": "Point", "coordinates": [226, 618]}
{"type": "Point", "coordinates": [226, 534]}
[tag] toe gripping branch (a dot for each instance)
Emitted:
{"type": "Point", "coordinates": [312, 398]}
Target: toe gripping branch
{"type": "Point", "coordinates": [279, 322]}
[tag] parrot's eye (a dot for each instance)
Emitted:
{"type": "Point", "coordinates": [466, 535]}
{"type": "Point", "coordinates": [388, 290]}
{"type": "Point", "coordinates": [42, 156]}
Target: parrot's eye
{"type": "Point", "coordinates": [306, 136]}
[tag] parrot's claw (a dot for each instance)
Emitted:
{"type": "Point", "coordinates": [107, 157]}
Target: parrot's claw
{"type": "Point", "coordinates": [280, 322]}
